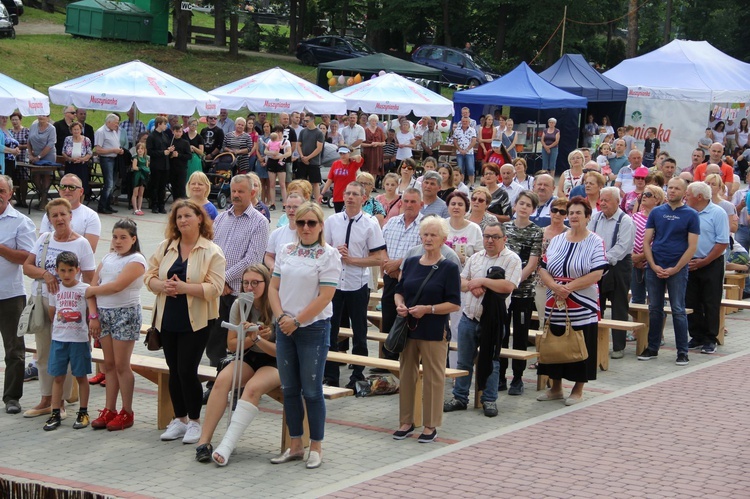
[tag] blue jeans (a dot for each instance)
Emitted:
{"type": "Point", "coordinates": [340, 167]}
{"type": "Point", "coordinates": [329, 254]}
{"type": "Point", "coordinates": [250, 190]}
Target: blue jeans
{"type": "Point", "coordinates": [677, 286]}
{"type": "Point", "coordinates": [549, 159]}
{"type": "Point", "coordinates": [466, 163]}
{"type": "Point", "coordinates": [468, 342]}
{"type": "Point", "coordinates": [301, 359]}
{"type": "Point", "coordinates": [108, 172]}
{"type": "Point", "coordinates": [638, 286]}
{"type": "Point", "coordinates": [742, 236]}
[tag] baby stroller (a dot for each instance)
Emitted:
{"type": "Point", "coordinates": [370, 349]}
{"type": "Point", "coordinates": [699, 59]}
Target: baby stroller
{"type": "Point", "coordinates": [220, 174]}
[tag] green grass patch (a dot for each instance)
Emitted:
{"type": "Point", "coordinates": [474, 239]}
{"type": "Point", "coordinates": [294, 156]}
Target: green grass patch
{"type": "Point", "coordinates": [31, 15]}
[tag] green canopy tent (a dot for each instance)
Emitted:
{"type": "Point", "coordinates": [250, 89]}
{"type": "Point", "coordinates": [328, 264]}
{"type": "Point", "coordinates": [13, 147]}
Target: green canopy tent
{"type": "Point", "coordinates": [374, 64]}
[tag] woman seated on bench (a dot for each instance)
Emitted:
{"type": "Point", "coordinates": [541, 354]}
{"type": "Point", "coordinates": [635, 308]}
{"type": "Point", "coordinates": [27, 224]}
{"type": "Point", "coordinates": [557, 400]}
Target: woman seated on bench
{"type": "Point", "coordinates": [258, 377]}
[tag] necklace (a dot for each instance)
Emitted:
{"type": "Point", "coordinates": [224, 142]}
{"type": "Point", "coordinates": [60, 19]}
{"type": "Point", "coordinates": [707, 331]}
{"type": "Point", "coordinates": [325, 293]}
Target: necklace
{"type": "Point", "coordinates": [64, 239]}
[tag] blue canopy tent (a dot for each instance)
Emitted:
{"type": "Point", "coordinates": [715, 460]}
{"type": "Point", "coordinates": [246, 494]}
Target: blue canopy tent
{"type": "Point", "coordinates": [606, 97]}
{"type": "Point", "coordinates": [525, 92]}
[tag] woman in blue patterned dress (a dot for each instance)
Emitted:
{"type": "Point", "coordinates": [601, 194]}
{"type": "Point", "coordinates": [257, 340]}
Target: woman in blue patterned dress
{"type": "Point", "coordinates": [573, 265]}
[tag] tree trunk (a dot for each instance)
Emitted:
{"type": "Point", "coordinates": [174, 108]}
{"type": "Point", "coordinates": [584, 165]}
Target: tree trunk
{"type": "Point", "coordinates": [180, 25]}
{"type": "Point", "coordinates": [608, 45]}
{"type": "Point", "coordinates": [292, 24]}
{"type": "Point", "coordinates": [344, 17]}
{"type": "Point", "coordinates": [234, 46]}
{"type": "Point", "coordinates": [300, 23]}
{"type": "Point", "coordinates": [632, 47]}
{"type": "Point", "coordinates": [502, 28]}
{"type": "Point", "coordinates": [447, 23]}
{"type": "Point", "coordinates": [668, 23]}
{"type": "Point", "coordinates": [220, 23]}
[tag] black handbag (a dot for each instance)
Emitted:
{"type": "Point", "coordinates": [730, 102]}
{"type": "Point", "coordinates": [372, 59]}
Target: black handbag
{"type": "Point", "coordinates": [396, 340]}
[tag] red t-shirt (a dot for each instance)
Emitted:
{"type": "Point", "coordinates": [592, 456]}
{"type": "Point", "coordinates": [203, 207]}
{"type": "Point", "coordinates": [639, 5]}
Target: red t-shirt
{"type": "Point", "coordinates": [341, 175]}
{"type": "Point", "coordinates": [498, 159]}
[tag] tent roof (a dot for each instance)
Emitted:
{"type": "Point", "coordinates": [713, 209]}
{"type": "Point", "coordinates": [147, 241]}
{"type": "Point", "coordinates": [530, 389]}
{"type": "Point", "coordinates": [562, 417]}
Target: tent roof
{"type": "Point", "coordinates": [521, 88]}
{"type": "Point", "coordinates": [15, 95]}
{"type": "Point", "coordinates": [684, 65]}
{"type": "Point", "coordinates": [573, 74]}
{"type": "Point", "coordinates": [379, 62]}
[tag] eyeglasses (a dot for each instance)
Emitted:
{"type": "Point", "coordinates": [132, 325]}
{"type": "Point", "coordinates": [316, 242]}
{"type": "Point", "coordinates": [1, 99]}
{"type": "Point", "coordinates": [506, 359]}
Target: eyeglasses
{"type": "Point", "coordinates": [494, 237]}
{"type": "Point", "coordinates": [648, 194]}
{"type": "Point", "coordinates": [310, 223]}
{"type": "Point", "coordinates": [558, 210]}
{"type": "Point", "coordinates": [211, 118]}
{"type": "Point", "coordinates": [70, 112]}
{"type": "Point", "coordinates": [252, 284]}
{"type": "Point", "coordinates": [479, 200]}
{"type": "Point", "coordinates": [489, 173]}
{"type": "Point", "coordinates": [66, 187]}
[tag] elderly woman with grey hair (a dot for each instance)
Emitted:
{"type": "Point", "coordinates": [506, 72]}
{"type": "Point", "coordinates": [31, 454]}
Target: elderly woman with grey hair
{"type": "Point", "coordinates": [427, 315]}
{"type": "Point", "coordinates": [372, 147]}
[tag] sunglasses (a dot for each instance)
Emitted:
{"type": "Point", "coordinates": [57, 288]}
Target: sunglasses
{"type": "Point", "coordinates": [648, 194]}
{"type": "Point", "coordinates": [66, 187]}
{"type": "Point", "coordinates": [310, 223]}
{"type": "Point", "coordinates": [407, 168]}
{"type": "Point", "coordinates": [558, 210]}
{"type": "Point", "coordinates": [479, 200]}
{"type": "Point", "coordinates": [251, 284]}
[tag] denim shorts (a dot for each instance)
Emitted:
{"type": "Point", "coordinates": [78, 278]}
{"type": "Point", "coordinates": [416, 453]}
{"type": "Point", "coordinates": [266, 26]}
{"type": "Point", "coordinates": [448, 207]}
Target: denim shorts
{"type": "Point", "coordinates": [122, 324]}
{"type": "Point", "coordinates": [62, 353]}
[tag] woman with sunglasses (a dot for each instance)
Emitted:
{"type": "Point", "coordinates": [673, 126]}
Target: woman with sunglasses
{"type": "Point", "coordinates": [652, 197]}
{"type": "Point", "coordinates": [558, 213]}
{"type": "Point", "coordinates": [480, 200]}
{"type": "Point", "coordinates": [258, 375]}
{"type": "Point", "coordinates": [406, 172]}
{"type": "Point", "coordinates": [305, 276]}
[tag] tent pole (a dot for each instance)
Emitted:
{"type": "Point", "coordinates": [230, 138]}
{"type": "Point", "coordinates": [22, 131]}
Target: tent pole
{"type": "Point", "coordinates": [562, 41]}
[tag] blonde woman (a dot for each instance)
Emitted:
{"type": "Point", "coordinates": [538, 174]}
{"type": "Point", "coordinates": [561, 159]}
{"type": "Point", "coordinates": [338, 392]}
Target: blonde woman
{"type": "Point", "coordinates": [198, 188]}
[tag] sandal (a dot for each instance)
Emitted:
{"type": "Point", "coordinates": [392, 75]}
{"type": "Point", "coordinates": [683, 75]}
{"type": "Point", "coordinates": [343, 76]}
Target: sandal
{"type": "Point", "coordinates": [203, 453]}
{"type": "Point", "coordinates": [534, 365]}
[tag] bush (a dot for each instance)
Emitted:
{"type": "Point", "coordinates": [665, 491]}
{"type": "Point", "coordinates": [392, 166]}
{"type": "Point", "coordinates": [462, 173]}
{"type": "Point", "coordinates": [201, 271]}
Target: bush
{"type": "Point", "coordinates": [250, 36]}
{"type": "Point", "coordinates": [275, 41]}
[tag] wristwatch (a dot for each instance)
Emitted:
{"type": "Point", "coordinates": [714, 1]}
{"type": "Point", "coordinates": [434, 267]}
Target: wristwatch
{"type": "Point", "coordinates": [93, 316]}
{"type": "Point", "coordinates": [296, 322]}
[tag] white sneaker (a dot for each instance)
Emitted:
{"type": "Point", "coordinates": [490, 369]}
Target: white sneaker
{"type": "Point", "coordinates": [175, 430]}
{"type": "Point", "coordinates": [192, 434]}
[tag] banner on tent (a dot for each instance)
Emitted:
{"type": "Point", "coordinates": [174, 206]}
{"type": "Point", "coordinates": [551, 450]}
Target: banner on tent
{"type": "Point", "coordinates": [679, 125]}
{"type": "Point", "coordinates": [730, 111]}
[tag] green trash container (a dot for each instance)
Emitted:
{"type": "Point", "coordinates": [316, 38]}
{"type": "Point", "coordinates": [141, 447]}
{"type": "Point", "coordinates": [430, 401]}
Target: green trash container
{"type": "Point", "coordinates": [107, 19]}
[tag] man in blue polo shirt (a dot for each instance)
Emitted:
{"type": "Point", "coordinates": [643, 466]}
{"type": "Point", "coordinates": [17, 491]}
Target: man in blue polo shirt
{"type": "Point", "coordinates": [706, 277]}
{"type": "Point", "coordinates": [674, 229]}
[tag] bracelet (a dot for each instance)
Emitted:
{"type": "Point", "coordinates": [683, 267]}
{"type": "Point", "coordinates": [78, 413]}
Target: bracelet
{"type": "Point", "coordinates": [282, 316]}
{"type": "Point", "coordinates": [433, 309]}
{"type": "Point", "coordinates": [257, 339]}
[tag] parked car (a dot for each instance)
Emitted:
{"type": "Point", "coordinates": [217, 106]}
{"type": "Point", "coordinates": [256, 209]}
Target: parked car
{"type": "Point", "coordinates": [6, 25]}
{"type": "Point", "coordinates": [328, 48]}
{"type": "Point", "coordinates": [14, 9]}
{"type": "Point", "coordinates": [457, 66]}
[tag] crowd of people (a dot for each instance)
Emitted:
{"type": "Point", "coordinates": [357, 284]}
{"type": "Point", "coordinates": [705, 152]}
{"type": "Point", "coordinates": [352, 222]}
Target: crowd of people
{"type": "Point", "coordinates": [460, 258]}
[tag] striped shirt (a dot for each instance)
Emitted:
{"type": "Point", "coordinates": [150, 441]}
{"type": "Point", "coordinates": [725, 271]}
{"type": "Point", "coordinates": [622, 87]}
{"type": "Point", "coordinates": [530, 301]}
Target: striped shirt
{"type": "Point", "coordinates": [567, 261]}
{"type": "Point", "coordinates": [399, 238]}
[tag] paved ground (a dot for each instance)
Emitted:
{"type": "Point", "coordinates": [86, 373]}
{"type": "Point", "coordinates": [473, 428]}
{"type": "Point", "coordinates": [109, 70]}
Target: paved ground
{"type": "Point", "coordinates": [646, 429]}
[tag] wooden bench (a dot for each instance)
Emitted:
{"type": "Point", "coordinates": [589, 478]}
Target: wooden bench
{"type": "Point", "coordinates": [395, 368]}
{"type": "Point", "coordinates": [736, 279]}
{"type": "Point", "coordinates": [506, 353]}
{"type": "Point", "coordinates": [155, 369]}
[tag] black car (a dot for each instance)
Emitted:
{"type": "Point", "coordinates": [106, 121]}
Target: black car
{"type": "Point", "coordinates": [328, 48]}
{"type": "Point", "coordinates": [6, 25]}
{"type": "Point", "coordinates": [457, 66]}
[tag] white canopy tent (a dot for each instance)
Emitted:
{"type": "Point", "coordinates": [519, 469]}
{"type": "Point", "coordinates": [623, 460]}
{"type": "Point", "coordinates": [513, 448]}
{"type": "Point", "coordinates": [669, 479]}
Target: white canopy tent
{"type": "Point", "coordinates": [134, 83]}
{"type": "Point", "coordinates": [676, 87]}
{"type": "Point", "coordinates": [15, 95]}
{"type": "Point", "coordinates": [276, 90]}
{"type": "Point", "coordinates": [394, 94]}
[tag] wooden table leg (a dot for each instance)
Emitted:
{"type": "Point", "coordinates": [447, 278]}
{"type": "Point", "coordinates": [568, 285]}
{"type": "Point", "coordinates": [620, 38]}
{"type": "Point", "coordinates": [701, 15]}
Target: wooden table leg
{"type": "Point", "coordinates": [602, 354]}
{"type": "Point", "coordinates": [641, 334]}
{"type": "Point", "coordinates": [164, 411]}
{"type": "Point", "coordinates": [732, 292]}
{"type": "Point", "coordinates": [722, 324]}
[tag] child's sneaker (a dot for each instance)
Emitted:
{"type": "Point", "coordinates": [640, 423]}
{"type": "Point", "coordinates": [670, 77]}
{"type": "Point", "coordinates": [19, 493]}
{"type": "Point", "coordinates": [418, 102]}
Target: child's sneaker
{"type": "Point", "coordinates": [53, 422]}
{"type": "Point", "coordinates": [105, 416]}
{"type": "Point", "coordinates": [121, 421]}
{"type": "Point", "coordinates": [82, 420]}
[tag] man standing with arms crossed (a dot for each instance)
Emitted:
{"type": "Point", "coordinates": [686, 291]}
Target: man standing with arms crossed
{"type": "Point", "coordinates": [674, 229]}
{"type": "Point", "coordinates": [309, 148]}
